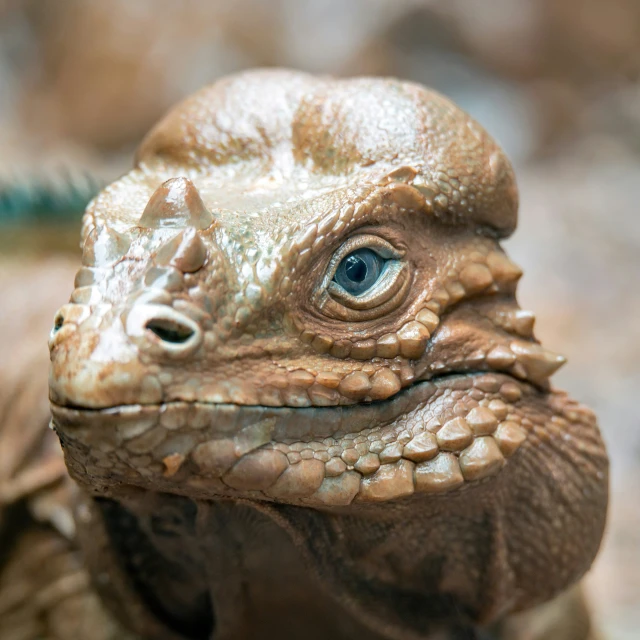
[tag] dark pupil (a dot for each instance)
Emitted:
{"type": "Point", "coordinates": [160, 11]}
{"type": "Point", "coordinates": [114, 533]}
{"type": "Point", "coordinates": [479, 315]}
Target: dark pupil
{"type": "Point", "coordinates": [359, 271]}
{"type": "Point", "coordinates": [355, 268]}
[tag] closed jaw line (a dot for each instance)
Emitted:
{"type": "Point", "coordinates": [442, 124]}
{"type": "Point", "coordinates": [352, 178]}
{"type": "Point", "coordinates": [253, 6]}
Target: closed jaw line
{"type": "Point", "coordinates": [436, 436]}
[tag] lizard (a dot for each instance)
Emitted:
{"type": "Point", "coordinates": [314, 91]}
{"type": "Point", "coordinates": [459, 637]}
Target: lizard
{"type": "Point", "coordinates": [294, 385]}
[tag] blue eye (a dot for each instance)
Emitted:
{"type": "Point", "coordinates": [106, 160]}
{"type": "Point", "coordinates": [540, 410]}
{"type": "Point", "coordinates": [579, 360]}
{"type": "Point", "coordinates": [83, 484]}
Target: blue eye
{"type": "Point", "coordinates": [359, 271]}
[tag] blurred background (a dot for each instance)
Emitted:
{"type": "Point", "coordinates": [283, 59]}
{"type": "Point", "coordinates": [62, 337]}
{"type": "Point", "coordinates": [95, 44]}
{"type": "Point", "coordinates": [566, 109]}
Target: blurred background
{"type": "Point", "coordinates": [557, 83]}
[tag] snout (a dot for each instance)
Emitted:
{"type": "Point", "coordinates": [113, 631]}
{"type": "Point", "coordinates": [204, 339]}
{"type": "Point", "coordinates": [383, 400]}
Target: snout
{"type": "Point", "coordinates": [101, 359]}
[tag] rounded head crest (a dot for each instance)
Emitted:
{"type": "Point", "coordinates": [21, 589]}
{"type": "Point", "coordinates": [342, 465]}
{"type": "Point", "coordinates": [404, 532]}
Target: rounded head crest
{"type": "Point", "coordinates": [285, 129]}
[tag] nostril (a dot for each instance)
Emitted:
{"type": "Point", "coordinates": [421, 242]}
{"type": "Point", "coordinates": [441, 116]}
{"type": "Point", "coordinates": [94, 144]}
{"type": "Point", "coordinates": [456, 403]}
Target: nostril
{"type": "Point", "coordinates": [162, 331]}
{"type": "Point", "coordinates": [169, 330]}
{"type": "Point", "coordinates": [58, 321]}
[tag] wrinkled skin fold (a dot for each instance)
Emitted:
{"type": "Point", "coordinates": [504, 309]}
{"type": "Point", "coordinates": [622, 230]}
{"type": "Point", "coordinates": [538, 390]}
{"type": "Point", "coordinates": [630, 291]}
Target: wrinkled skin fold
{"type": "Point", "coordinates": [266, 446]}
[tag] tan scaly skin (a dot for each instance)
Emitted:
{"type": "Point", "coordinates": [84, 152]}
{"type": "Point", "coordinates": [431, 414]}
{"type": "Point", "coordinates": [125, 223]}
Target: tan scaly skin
{"type": "Point", "coordinates": [273, 445]}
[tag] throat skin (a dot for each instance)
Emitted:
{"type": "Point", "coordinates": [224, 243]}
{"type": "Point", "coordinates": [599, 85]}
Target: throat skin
{"type": "Point", "coordinates": [257, 571]}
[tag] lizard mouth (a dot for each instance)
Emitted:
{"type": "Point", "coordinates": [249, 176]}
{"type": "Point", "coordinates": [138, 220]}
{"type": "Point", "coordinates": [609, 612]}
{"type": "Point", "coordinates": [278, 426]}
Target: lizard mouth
{"type": "Point", "coordinates": [435, 436]}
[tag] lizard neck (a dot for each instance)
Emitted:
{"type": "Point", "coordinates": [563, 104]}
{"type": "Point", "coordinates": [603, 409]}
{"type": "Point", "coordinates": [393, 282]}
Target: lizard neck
{"type": "Point", "coordinates": [198, 570]}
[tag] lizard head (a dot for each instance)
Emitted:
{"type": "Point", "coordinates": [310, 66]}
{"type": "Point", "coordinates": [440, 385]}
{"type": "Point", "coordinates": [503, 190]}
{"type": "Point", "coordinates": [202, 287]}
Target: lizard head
{"type": "Point", "coordinates": [298, 297]}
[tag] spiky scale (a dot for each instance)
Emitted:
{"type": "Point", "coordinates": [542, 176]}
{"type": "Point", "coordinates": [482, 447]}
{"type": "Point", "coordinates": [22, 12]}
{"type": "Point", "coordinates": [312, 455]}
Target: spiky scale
{"type": "Point", "coordinates": [176, 204]}
{"type": "Point", "coordinates": [104, 246]}
{"type": "Point", "coordinates": [186, 252]}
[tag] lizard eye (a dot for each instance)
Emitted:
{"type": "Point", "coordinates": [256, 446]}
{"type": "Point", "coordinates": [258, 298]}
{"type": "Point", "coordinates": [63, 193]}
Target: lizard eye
{"type": "Point", "coordinates": [359, 271]}
{"type": "Point", "coordinates": [365, 278]}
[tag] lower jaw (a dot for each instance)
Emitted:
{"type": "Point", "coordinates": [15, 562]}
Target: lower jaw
{"type": "Point", "coordinates": [436, 436]}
